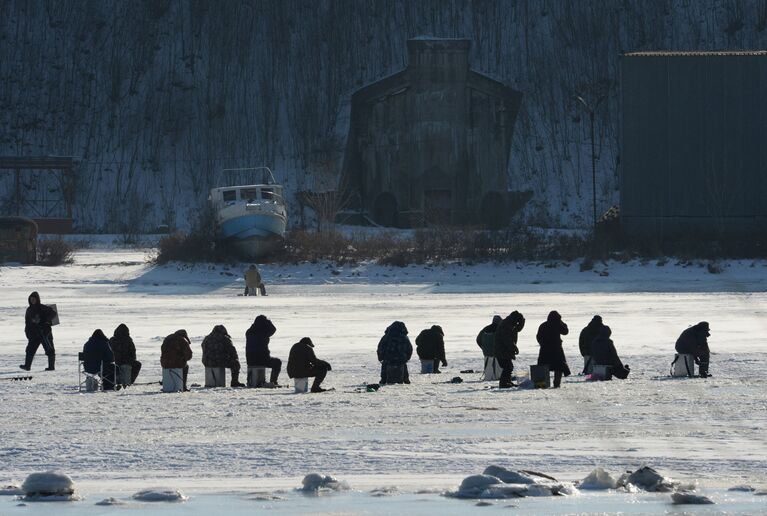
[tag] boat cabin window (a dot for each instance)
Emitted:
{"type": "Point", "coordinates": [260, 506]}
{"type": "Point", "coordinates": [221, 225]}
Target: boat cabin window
{"type": "Point", "coordinates": [249, 194]}
{"type": "Point", "coordinates": [230, 195]}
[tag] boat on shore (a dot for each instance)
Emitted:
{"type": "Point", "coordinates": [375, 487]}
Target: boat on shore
{"type": "Point", "coordinates": [251, 218]}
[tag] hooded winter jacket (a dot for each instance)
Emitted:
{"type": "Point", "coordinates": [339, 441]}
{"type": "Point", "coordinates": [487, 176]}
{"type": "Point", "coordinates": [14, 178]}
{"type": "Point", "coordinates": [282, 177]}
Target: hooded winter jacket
{"type": "Point", "coordinates": [122, 346]}
{"type": "Point", "coordinates": [176, 350]}
{"type": "Point", "coordinates": [257, 341]}
{"type": "Point", "coordinates": [302, 362]}
{"type": "Point", "coordinates": [97, 352]}
{"type": "Point", "coordinates": [694, 340]}
{"type": "Point", "coordinates": [588, 334]}
{"type": "Point", "coordinates": [430, 344]}
{"type": "Point", "coordinates": [603, 352]}
{"type": "Point", "coordinates": [37, 318]}
{"type": "Point", "coordinates": [506, 336]}
{"type": "Point", "coordinates": [550, 340]}
{"type": "Point", "coordinates": [395, 348]}
{"type": "Point", "coordinates": [218, 350]}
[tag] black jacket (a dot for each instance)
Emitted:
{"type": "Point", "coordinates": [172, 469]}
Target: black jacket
{"type": "Point", "coordinates": [302, 362]}
{"type": "Point", "coordinates": [122, 346]}
{"type": "Point", "coordinates": [395, 348]}
{"type": "Point", "coordinates": [257, 341]}
{"type": "Point", "coordinates": [694, 340]}
{"type": "Point", "coordinates": [588, 334]}
{"type": "Point", "coordinates": [603, 352]}
{"type": "Point", "coordinates": [550, 340]}
{"type": "Point", "coordinates": [430, 344]}
{"type": "Point", "coordinates": [38, 318]}
{"type": "Point", "coordinates": [506, 336]}
{"type": "Point", "coordinates": [97, 352]}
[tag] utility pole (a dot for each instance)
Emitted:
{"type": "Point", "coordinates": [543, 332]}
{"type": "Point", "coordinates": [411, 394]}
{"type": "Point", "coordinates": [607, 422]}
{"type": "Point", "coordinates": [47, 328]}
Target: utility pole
{"type": "Point", "coordinates": [591, 111]}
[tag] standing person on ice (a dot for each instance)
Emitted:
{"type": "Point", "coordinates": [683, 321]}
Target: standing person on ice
{"type": "Point", "coordinates": [551, 354]}
{"type": "Point", "coordinates": [99, 359]}
{"type": "Point", "coordinates": [218, 351]}
{"type": "Point", "coordinates": [253, 281]}
{"type": "Point", "coordinates": [587, 337]}
{"type": "Point", "coordinates": [176, 352]}
{"type": "Point", "coordinates": [694, 341]}
{"type": "Point", "coordinates": [303, 363]}
{"type": "Point", "coordinates": [125, 350]}
{"type": "Point", "coordinates": [506, 350]}
{"type": "Point", "coordinates": [395, 349]}
{"type": "Point", "coordinates": [430, 345]}
{"type": "Point", "coordinates": [257, 347]}
{"type": "Point", "coordinates": [37, 327]}
{"type": "Point", "coordinates": [603, 353]}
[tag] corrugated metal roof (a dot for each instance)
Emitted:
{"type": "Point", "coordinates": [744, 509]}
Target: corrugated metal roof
{"type": "Point", "coordinates": [695, 53]}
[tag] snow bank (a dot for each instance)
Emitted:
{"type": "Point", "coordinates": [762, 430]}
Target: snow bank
{"type": "Point", "coordinates": [686, 498]}
{"type": "Point", "coordinates": [314, 482]}
{"type": "Point", "coordinates": [160, 495]}
{"type": "Point", "coordinates": [647, 479]}
{"type": "Point", "coordinates": [498, 483]}
{"type": "Point", "coordinates": [598, 479]}
{"type": "Point", "coordinates": [49, 486]}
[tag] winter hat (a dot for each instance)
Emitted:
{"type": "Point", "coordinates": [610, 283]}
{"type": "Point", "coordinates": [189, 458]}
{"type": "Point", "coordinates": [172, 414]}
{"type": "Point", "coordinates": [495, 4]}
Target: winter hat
{"type": "Point", "coordinates": [438, 329]}
{"type": "Point", "coordinates": [307, 341]}
{"type": "Point", "coordinates": [182, 333]}
{"type": "Point", "coordinates": [122, 331]}
{"type": "Point", "coordinates": [36, 296]}
{"type": "Point", "coordinates": [497, 319]}
{"type": "Point", "coordinates": [220, 328]}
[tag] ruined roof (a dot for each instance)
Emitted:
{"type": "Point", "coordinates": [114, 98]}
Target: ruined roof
{"type": "Point", "coordinates": [695, 53]}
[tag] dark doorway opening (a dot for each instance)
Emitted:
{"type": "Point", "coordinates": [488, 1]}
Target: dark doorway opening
{"type": "Point", "coordinates": [437, 207]}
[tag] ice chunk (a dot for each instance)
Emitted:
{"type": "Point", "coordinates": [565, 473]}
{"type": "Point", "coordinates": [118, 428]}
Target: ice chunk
{"type": "Point", "coordinates": [384, 491]}
{"type": "Point", "coordinates": [314, 482]}
{"type": "Point", "coordinates": [509, 476]}
{"type": "Point", "coordinates": [685, 498]}
{"type": "Point", "coordinates": [743, 489]}
{"type": "Point", "coordinates": [498, 491]}
{"type": "Point", "coordinates": [598, 479]}
{"type": "Point", "coordinates": [50, 484]}
{"type": "Point", "coordinates": [110, 501]}
{"type": "Point", "coordinates": [647, 479]}
{"type": "Point", "coordinates": [160, 495]}
{"type": "Point", "coordinates": [11, 490]}
{"type": "Point", "coordinates": [477, 483]}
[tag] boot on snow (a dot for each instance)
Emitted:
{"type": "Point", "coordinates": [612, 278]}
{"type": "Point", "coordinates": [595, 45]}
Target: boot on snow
{"type": "Point", "coordinates": [27, 365]}
{"type": "Point", "coordinates": [51, 363]}
{"type": "Point", "coordinates": [236, 381]}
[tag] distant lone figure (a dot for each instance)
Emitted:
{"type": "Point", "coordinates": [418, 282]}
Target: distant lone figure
{"type": "Point", "coordinates": [176, 352]}
{"type": "Point", "coordinates": [253, 282]}
{"type": "Point", "coordinates": [551, 354]}
{"type": "Point", "coordinates": [37, 327]}
{"type": "Point", "coordinates": [125, 351]}
{"type": "Point", "coordinates": [257, 347]}
{"type": "Point", "coordinates": [430, 345]}
{"type": "Point", "coordinates": [303, 363]}
{"type": "Point", "coordinates": [218, 351]}
{"type": "Point", "coordinates": [506, 349]}
{"type": "Point", "coordinates": [603, 353]}
{"type": "Point", "coordinates": [694, 341]}
{"type": "Point", "coordinates": [394, 349]}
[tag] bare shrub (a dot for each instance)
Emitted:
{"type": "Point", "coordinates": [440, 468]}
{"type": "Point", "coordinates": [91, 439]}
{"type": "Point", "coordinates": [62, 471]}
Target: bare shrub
{"type": "Point", "coordinates": [55, 251]}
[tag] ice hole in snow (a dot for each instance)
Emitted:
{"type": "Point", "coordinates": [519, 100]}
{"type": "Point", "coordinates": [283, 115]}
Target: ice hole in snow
{"type": "Point", "coordinates": [49, 486]}
{"type": "Point", "coordinates": [598, 479]}
{"type": "Point", "coordinates": [314, 482]}
{"type": "Point", "coordinates": [160, 495]}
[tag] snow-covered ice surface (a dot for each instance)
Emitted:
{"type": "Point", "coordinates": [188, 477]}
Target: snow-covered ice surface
{"type": "Point", "coordinates": [402, 439]}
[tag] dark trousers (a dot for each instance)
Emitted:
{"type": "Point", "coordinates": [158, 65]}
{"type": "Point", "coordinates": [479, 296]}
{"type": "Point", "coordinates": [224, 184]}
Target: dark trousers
{"type": "Point", "coordinates": [507, 366]}
{"type": "Point", "coordinates": [275, 364]}
{"type": "Point", "coordinates": [319, 372]}
{"type": "Point", "coordinates": [261, 288]}
{"type": "Point", "coordinates": [557, 377]}
{"type": "Point", "coordinates": [384, 379]}
{"type": "Point", "coordinates": [41, 339]}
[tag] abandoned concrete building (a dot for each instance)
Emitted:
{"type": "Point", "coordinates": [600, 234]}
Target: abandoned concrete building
{"type": "Point", "coordinates": [430, 144]}
{"type": "Point", "coordinates": [694, 144]}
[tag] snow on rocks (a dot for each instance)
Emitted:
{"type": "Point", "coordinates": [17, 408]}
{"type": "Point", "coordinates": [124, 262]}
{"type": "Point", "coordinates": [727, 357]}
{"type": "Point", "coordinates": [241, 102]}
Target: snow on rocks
{"type": "Point", "coordinates": [504, 483]}
{"type": "Point", "coordinates": [743, 489]}
{"type": "Point", "coordinates": [49, 486]}
{"type": "Point", "coordinates": [598, 479]}
{"type": "Point", "coordinates": [647, 479]}
{"type": "Point", "coordinates": [687, 498]}
{"type": "Point", "coordinates": [160, 495]}
{"type": "Point", "coordinates": [314, 483]}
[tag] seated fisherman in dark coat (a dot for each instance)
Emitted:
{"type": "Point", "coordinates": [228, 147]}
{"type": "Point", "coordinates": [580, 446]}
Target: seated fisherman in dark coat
{"type": "Point", "coordinates": [694, 341]}
{"type": "Point", "coordinates": [125, 350]}
{"type": "Point", "coordinates": [176, 352]}
{"type": "Point", "coordinates": [603, 353]}
{"type": "Point", "coordinates": [99, 359]}
{"type": "Point", "coordinates": [218, 351]}
{"type": "Point", "coordinates": [587, 336]}
{"type": "Point", "coordinates": [257, 347]}
{"type": "Point", "coordinates": [551, 353]}
{"type": "Point", "coordinates": [430, 345]}
{"type": "Point", "coordinates": [394, 349]}
{"type": "Point", "coordinates": [303, 363]}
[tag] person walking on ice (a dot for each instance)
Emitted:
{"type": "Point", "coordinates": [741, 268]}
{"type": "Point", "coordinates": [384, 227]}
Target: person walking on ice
{"type": "Point", "coordinates": [253, 283]}
{"type": "Point", "coordinates": [37, 326]}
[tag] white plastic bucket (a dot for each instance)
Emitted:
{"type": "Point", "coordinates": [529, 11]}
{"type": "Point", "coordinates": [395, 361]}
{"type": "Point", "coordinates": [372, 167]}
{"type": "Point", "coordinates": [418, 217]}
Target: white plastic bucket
{"type": "Point", "coordinates": [301, 384]}
{"type": "Point", "coordinates": [256, 376]}
{"type": "Point", "coordinates": [172, 380]}
{"type": "Point", "coordinates": [215, 377]}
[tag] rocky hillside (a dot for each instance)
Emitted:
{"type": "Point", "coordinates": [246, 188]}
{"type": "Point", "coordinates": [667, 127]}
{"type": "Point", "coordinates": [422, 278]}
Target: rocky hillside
{"type": "Point", "coordinates": [156, 96]}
